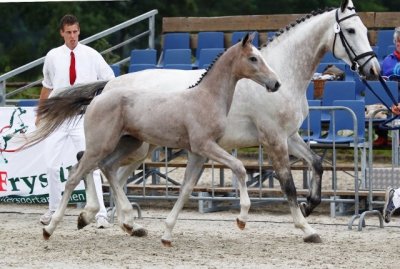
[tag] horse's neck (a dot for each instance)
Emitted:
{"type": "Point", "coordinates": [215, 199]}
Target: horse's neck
{"type": "Point", "coordinates": [220, 81]}
{"type": "Point", "coordinates": [302, 47]}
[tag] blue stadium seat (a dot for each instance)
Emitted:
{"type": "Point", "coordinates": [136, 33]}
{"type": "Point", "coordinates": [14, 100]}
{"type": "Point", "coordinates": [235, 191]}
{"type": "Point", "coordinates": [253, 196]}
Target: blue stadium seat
{"type": "Point", "coordinates": [371, 99]}
{"type": "Point", "coordinates": [310, 91]}
{"type": "Point", "coordinates": [310, 129]}
{"type": "Point", "coordinates": [116, 69]}
{"type": "Point", "coordinates": [336, 90]}
{"type": "Point", "coordinates": [178, 66]}
{"type": "Point", "coordinates": [28, 102]}
{"type": "Point", "coordinates": [384, 39]}
{"type": "Point", "coordinates": [344, 121]}
{"type": "Point", "coordinates": [142, 59]}
{"type": "Point", "coordinates": [174, 41]}
{"type": "Point", "coordinates": [238, 36]}
{"type": "Point", "coordinates": [207, 56]}
{"type": "Point", "coordinates": [207, 40]}
{"type": "Point", "coordinates": [177, 56]}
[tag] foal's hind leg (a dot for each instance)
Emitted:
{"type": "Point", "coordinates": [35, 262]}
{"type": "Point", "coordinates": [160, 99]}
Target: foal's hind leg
{"type": "Point", "coordinates": [127, 148]}
{"type": "Point", "coordinates": [192, 174]}
{"type": "Point", "coordinates": [298, 148]}
{"type": "Point", "coordinates": [77, 173]}
{"type": "Point", "coordinates": [280, 161]}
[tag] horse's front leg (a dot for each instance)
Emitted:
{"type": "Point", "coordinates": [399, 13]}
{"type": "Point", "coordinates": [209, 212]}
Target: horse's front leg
{"type": "Point", "coordinates": [297, 147]}
{"type": "Point", "coordinates": [280, 162]}
{"type": "Point", "coordinates": [193, 172]}
{"type": "Point", "coordinates": [214, 152]}
{"type": "Point", "coordinates": [77, 173]}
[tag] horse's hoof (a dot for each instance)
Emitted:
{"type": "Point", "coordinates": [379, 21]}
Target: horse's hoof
{"type": "Point", "coordinates": [81, 222]}
{"type": "Point", "coordinates": [46, 235]}
{"type": "Point", "coordinates": [314, 238]}
{"type": "Point", "coordinates": [166, 243]}
{"type": "Point", "coordinates": [141, 232]}
{"type": "Point", "coordinates": [241, 224]}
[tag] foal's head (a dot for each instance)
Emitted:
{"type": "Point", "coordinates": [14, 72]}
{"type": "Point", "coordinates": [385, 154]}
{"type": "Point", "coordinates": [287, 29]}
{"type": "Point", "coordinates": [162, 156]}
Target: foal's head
{"type": "Point", "coordinates": [250, 64]}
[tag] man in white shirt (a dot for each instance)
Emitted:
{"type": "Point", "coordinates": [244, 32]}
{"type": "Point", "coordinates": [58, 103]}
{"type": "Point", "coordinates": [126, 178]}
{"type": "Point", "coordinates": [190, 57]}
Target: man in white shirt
{"type": "Point", "coordinates": [70, 64]}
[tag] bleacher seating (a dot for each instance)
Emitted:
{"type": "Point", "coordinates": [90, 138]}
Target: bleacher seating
{"type": "Point", "coordinates": [142, 59]}
{"type": "Point", "coordinates": [27, 102]}
{"type": "Point", "coordinates": [207, 40]}
{"type": "Point", "coordinates": [336, 90]}
{"type": "Point", "coordinates": [178, 59]}
{"type": "Point", "coordinates": [116, 69]}
{"type": "Point", "coordinates": [384, 39]}
{"type": "Point", "coordinates": [371, 99]}
{"type": "Point", "coordinates": [174, 41]}
{"type": "Point", "coordinates": [310, 129]}
{"type": "Point", "coordinates": [349, 75]}
{"type": "Point", "coordinates": [207, 56]}
{"type": "Point", "coordinates": [329, 58]}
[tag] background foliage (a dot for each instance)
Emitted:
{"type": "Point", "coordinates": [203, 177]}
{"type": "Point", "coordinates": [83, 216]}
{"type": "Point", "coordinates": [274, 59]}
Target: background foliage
{"type": "Point", "coordinates": [29, 30]}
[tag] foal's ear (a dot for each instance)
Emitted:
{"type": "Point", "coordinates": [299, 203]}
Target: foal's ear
{"type": "Point", "coordinates": [248, 38]}
{"type": "Point", "coordinates": [344, 4]}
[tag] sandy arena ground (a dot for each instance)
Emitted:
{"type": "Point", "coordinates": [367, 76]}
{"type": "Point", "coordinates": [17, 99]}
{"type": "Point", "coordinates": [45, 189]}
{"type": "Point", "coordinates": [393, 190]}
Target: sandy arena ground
{"type": "Point", "coordinates": [209, 240]}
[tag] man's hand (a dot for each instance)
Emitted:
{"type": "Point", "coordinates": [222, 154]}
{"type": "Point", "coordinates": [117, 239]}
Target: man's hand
{"type": "Point", "coordinates": [396, 109]}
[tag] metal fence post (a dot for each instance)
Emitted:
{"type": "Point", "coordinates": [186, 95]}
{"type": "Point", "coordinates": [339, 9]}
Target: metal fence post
{"type": "Point", "coordinates": [2, 93]}
{"type": "Point", "coordinates": [152, 31]}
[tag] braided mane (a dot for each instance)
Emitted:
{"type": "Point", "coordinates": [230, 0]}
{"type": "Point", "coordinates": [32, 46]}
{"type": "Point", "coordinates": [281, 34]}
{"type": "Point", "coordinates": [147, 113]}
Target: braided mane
{"type": "Point", "coordinates": [298, 21]}
{"type": "Point", "coordinates": [207, 70]}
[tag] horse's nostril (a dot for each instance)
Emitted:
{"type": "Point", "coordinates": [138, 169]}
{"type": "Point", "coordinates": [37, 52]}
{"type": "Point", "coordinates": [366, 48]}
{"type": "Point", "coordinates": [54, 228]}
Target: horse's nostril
{"type": "Point", "coordinates": [277, 85]}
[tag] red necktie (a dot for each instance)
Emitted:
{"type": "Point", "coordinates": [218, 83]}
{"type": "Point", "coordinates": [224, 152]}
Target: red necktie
{"type": "Point", "coordinates": [72, 71]}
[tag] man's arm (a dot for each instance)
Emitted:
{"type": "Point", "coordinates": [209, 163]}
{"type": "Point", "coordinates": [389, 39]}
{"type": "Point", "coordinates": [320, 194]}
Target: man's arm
{"type": "Point", "coordinates": [44, 94]}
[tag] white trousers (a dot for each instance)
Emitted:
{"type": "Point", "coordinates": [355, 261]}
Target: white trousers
{"type": "Point", "coordinates": [54, 150]}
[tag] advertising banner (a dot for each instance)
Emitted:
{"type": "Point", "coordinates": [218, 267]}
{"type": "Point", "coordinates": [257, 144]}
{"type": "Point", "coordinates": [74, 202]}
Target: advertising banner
{"type": "Point", "coordinates": [23, 176]}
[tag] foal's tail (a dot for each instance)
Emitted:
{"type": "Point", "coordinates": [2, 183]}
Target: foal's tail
{"type": "Point", "coordinates": [67, 104]}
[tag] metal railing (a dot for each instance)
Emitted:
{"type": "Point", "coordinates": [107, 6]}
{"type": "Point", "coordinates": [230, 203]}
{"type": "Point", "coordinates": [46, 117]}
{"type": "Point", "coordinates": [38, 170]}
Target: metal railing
{"type": "Point", "coordinates": [150, 16]}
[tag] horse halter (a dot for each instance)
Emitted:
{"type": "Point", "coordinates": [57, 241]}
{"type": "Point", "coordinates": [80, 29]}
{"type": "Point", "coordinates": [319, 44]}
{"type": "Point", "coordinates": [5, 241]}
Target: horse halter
{"type": "Point", "coordinates": [354, 58]}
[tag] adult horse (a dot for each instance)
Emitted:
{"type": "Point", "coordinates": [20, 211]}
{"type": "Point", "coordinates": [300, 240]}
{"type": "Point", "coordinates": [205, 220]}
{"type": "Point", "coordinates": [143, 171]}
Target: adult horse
{"type": "Point", "coordinates": [118, 121]}
{"type": "Point", "coordinates": [273, 120]}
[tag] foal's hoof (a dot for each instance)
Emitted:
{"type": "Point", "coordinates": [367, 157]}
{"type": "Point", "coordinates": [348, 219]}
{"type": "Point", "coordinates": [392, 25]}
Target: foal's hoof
{"type": "Point", "coordinates": [241, 224]}
{"type": "Point", "coordinates": [314, 238]}
{"type": "Point", "coordinates": [140, 232]}
{"type": "Point", "coordinates": [81, 221]}
{"type": "Point", "coordinates": [166, 243]}
{"type": "Point", "coordinates": [46, 235]}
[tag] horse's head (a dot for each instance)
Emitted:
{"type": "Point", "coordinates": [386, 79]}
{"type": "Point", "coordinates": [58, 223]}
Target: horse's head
{"type": "Point", "coordinates": [351, 42]}
{"type": "Point", "coordinates": [253, 66]}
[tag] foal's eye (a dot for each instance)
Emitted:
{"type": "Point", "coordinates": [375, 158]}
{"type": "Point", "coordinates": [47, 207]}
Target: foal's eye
{"type": "Point", "coordinates": [351, 31]}
{"type": "Point", "coordinates": [253, 59]}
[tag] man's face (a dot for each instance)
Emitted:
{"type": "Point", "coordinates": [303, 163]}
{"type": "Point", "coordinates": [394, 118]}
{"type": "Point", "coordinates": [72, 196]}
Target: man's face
{"type": "Point", "coordinates": [70, 33]}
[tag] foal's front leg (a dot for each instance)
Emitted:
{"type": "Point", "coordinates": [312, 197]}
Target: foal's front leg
{"type": "Point", "coordinates": [192, 174]}
{"type": "Point", "coordinates": [214, 152]}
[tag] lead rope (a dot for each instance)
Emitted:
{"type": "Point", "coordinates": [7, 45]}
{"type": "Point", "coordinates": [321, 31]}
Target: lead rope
{"type": "Point", "coordinates": [384, 125]}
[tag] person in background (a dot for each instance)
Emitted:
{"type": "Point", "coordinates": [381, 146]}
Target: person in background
{"type": "Point", "coordinates": [70, 64]}
{"type": "Point", "coordinates": [390, 70]}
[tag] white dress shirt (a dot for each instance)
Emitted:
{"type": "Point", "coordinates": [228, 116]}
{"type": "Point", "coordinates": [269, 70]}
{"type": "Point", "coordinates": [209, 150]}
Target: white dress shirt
{"type": "Point", "coordinates": [90, 66]}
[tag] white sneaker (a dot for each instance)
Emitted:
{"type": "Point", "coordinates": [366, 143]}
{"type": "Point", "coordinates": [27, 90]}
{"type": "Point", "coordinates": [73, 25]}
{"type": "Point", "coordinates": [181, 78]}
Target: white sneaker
{"type": "Point", "coordinates": [102, 222]}
{"type": "Point", "coordinates": [46, 217]}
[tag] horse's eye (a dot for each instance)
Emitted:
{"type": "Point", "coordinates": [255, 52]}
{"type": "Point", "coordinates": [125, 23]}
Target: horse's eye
{"type": "Point", "coordinates": [351, 31]}
{"type": "Point", "coordinates": [253, 59]}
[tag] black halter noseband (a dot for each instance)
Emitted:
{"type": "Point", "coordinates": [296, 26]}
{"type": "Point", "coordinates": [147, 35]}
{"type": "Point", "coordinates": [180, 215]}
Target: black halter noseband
{"type": "Point", "coordinates": [356, 67]}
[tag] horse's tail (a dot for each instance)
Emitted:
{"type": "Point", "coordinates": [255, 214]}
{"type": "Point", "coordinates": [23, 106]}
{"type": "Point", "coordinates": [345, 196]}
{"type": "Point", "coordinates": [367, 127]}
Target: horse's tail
{"type": "Point", "coordinates": [64, 106]}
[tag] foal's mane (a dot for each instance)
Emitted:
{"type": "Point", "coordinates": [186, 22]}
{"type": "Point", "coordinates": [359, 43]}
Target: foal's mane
{"type": "Point", "coordinates": [298, 21]}
{"type": "Point", "coordinates": [206, 72]}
